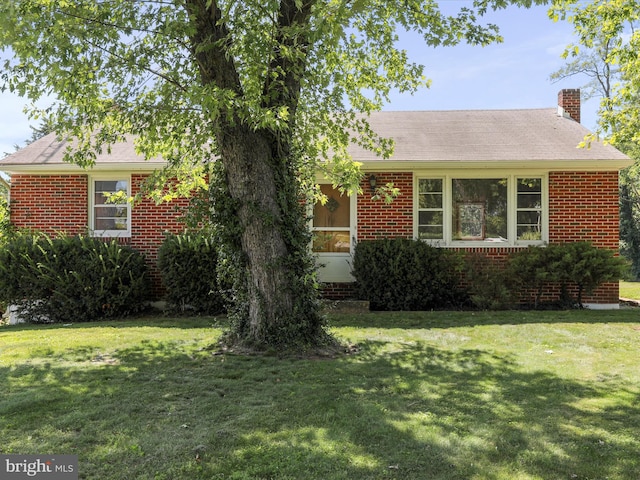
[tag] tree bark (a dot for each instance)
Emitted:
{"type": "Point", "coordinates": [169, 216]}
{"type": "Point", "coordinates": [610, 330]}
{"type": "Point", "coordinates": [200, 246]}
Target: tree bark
{"type": "Point", "coordinates": [282, 308]}
{"type": "Point", "coordinates": [250, 179]}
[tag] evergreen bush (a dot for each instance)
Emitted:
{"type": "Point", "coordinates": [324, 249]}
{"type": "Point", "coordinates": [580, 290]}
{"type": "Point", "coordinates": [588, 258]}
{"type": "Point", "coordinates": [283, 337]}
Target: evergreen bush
{"type": "Point", "coordinates": [577, 265]}
{"type": "Point", "coordinates": [189, 267]}
{"type": "Point", "coordinates": [584, 266]}
{"type": "Point", "coordinates": [403, 274]}
{"type": "Point", "coordinates": [529, 270]}
{"type": "Point", "coordinates": [71, 278]}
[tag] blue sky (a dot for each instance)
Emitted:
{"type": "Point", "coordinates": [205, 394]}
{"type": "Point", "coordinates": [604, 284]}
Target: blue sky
{"type": "Point", "coordinates": [514, 74]}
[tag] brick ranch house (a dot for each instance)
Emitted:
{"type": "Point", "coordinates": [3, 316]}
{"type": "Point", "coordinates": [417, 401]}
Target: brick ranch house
{"type": "Point", "coordinates": [486, 181]}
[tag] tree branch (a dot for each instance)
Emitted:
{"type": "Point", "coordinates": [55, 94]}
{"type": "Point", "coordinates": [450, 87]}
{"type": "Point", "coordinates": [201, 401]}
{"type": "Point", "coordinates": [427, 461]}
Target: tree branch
{"type": "Point", "coordinates": [146, 69]}
{"type": "Point", "coordinates": [289, 56]}
{"type": "Point", "coordinates": [210, 46]}
{"type": "Point", "coordinates": [118, 27]}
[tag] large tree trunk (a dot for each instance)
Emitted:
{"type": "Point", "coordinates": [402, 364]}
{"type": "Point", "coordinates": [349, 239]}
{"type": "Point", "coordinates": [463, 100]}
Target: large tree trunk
{"type": "Point", "coordinates": [263, 218]}
{"type": "Point", "coordinates": [264, 209]}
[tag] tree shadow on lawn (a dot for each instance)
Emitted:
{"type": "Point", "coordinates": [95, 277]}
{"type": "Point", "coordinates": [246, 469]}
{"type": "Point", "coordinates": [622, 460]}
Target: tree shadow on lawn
{"type": "Point", "coordinates": [453, 318]}
{"type": "Point", "coordinates": [406, 320]}
{"type": "Point", "coordinates": [415, 412]}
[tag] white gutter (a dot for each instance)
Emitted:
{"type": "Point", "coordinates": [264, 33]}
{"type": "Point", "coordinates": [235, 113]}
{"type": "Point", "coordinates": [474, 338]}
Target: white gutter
{"type": "Point", "coordinates": [69, 168]}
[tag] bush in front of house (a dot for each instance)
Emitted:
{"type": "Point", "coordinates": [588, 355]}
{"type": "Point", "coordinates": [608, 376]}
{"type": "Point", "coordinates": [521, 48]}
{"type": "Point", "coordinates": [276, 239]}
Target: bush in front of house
{"type": "Point", "coordinates": [403, 274]}
{"type": "Point", "coordinates": [489, 282]}
{"type": "Point", "coordinates": [188, 264]}
{"type": "Point", "coordinates": [71, 279]}
{"type": "Point", "coordinates": [584, 266]}
{"type": "Point", "coordinates": [577, 266]}
{"type": "Point", "coordinates": [530, 270]}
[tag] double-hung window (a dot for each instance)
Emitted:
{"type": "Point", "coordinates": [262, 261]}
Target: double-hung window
{"type": "Point", "coordinates": [110, 210]}
{"type": "Point", "coordinates": [430, 209]}
{"type": "Point", "coordinates": [529, 209]}
{"type": "Point", "coordinates": [456, 210]}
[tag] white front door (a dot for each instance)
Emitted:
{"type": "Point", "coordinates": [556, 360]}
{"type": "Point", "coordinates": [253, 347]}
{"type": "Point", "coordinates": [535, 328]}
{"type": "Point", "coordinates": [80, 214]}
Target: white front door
{"type": "Point", "coordinates": [333, 235]}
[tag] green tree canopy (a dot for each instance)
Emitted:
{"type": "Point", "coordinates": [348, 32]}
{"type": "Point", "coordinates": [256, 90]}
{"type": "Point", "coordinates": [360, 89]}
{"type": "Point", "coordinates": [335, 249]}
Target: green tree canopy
{"type": "Point", "coordinates": [608, 50]}
{"type": "Point", "coordinates": [606, 31]}
{"type": "Point", "coordinates": [274, 89]}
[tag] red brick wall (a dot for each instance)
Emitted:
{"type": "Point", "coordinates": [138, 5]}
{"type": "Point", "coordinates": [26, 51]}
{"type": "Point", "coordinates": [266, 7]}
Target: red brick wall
{"type": "Point", "coordinates": [50, 203]}
{"type": "Point", "coordinates": [584, 206]}
{"type": "Point", "coordinates": [379, 220]}
{"type": "Point", "coordinates": [149, 222]}
{"type": "Point", "coordinates": [337, 290]}
{"type": "Point", "coordinates": [59, 204]}
{"type": "Point", "coordinates": [569, 99]}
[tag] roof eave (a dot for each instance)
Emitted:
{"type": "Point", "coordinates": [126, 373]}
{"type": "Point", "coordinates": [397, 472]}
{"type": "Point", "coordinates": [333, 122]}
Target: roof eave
{"type": "Point", "coordinates": [68, 168]}
{"type": "Point", "coordinates": [367, 165]}
{"type": "Point", "coordinates": [594, 165]}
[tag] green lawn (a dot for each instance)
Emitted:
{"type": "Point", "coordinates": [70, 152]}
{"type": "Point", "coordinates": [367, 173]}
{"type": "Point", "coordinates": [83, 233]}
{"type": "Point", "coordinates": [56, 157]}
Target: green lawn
{"type": "Point", "coordinates": [630, 290]}
{"type": "Point", "coordinates": [442, 395]}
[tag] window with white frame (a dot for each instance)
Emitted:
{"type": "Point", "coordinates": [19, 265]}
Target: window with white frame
{"type": "Point", "coordinates": [479, 209]}
{"type": "Point", "coordinates": [110, 207]}
{"type": "Point", "coordinates": [430, 209]}
{"type": "Point", "coordinates": [529, 209]}
{"type": "Point", "coordinates": [504, 210]}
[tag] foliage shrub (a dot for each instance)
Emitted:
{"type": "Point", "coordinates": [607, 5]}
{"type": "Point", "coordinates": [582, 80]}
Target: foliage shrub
{"type": "Point", "coordinates": [489, 283]}
{"type": "Point", "coordinates": [529, 270]}
{"type": "Point", "coordinates": [5, 225]}
{"type": "Point", "coordinates": [403, 274]}
{"type": "Point", "coordinates": [71, 278]}
{"type": "Point", "coordinates": [630, 222]}
{"type": "Point", "coordinates": [188, 264]}
{"type": "Point", "coordinates": [5, 228]}
{"type": "Point", "coordinates": [574, 265]}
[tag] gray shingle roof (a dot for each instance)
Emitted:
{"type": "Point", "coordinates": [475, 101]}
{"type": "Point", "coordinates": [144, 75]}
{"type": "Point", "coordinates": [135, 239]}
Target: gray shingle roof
{"type": "Point", "coordinates": [522, 137]}
{"type": "Point", "coordinates": [481, 135]}
{"type": "Point", "coordinates": [47, 153]}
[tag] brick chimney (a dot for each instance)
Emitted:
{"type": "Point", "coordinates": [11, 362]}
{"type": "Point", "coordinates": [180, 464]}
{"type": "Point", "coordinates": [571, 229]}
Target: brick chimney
{"type": "Point", "coordinates": [569, 103]}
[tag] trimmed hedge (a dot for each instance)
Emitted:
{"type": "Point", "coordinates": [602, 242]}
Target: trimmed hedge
{"type": "Point", "coordinates": [71, 278]}
{"type": "Point", "coordinates": [188, 264]}
{"type": "Point", "coordinates": [403, 274]}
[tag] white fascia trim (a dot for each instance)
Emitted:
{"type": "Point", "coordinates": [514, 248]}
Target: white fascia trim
{"type": "Point", "coordinates": [600, 165]}
{"type": "Point", "coordinates": [137, 167]}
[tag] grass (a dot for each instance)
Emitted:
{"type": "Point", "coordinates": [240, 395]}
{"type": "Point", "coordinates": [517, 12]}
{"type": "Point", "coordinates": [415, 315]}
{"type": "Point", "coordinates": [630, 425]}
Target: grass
{"type": "Point", "coordinates": [630, 290]}
{"type": "Point", "coordinates": [441, 395]}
